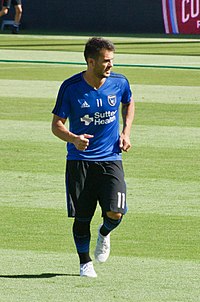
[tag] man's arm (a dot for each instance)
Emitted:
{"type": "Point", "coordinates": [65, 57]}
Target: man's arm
{"type": "Point", "coordinates": [128, 111]}
{"type": "Point", "coordinates": [59, 129]}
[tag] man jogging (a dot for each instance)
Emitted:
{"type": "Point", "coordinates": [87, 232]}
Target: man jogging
{"type": "Point", "coordinates": [94, 173]}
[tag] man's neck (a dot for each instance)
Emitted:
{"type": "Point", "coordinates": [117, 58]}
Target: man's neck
{"type": "Point", "coordinates": [92, 80]}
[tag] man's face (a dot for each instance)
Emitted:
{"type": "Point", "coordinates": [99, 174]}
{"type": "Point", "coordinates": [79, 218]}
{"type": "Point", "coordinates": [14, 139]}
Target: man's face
{"type": "Point", "coordinates": [104, 63]}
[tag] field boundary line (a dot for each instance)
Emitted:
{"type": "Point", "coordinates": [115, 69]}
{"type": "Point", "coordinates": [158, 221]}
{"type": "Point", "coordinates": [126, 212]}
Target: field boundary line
{"type": "Point", "coordinates": [116, 65]}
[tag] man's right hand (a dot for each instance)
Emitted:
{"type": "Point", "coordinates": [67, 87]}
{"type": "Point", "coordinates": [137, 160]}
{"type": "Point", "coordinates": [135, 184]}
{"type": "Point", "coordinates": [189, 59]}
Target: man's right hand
{"type": "Point", "coordinates": [81, 142]}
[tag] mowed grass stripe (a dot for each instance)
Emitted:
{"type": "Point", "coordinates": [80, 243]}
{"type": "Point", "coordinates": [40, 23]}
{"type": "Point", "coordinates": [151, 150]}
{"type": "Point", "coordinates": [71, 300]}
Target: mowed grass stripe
{"type": "Point", "coordinates": [143, 93]}
{"type": "Point", "coordinates": [15, 90]}
{"type": "Point", "coordinates": [29, 89]}
{"type": "Point", "coordinates": [147, 162]}
{"type": "Point", "coordinates": [159, 238]}
{"type": "Point", "coordinates": [183, 95]}
{"type": "Point", "coordinates": [75, 56]}
{"type": "Point", "coordinates": [144, 135]}
{"type": "Point", "coordinates": [142, 76]}
{"type": "Point", "coordinates": [33, 190]}
{"type": "Point", "coordinates": [34, 109]}
{"type": "Point", "coordinates": [163, 196]}
{"type": "Point", "coordinates": [149, 195]}
{"type": "Point", "coordinates": [153, 235]}
{"type": "Point", "coordinates": [37, 72]}
{"type": "Point", "coordinates": [163, 163]}
{"type": "Point", "coordinates": [39, 277]}
{"type": "Point", "coordinates": [167, 114]}
{"type": "Point", "coordinates": [171, 137]}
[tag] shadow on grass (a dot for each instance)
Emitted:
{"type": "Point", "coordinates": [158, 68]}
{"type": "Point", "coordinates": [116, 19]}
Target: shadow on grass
{"type": "Point", "coordinates": [41, 276]}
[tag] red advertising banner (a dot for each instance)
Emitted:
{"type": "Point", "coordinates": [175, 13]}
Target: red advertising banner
{"type": "Point", "coordinates": [181, 16]}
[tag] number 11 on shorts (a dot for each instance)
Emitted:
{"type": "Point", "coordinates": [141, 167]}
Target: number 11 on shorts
{"type": "Point", "coordinates": [121, 200]}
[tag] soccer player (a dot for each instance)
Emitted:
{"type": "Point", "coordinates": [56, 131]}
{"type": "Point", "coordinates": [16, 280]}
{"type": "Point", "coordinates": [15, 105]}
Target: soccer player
{"type": "Point", "coordinates": [94, 173]}
{"type": "Point", "coordinates": [18, 12]}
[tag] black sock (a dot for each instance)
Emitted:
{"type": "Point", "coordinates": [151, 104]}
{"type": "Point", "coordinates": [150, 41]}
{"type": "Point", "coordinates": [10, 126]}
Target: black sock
{"type": "Point", "coordinates": [84, 258]}
{"type": "Point", "coordinates": [109, 225]}
{"type": "Point", "coordinates": [81, 233]}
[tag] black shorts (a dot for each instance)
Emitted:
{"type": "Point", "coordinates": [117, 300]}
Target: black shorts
{"type": "Point", "coordinates": [88, 182]}
{"type": "Point", "coordinates": [7, 3]}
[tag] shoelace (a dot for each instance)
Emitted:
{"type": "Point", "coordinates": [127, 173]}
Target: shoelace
{"type": "Point", "coordinates": [104, 245]}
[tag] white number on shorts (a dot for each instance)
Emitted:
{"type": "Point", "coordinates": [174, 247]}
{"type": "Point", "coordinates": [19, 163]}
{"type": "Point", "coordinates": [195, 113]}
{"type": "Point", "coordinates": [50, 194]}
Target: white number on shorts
{"type": "Point", "coordinates": [121, 200]}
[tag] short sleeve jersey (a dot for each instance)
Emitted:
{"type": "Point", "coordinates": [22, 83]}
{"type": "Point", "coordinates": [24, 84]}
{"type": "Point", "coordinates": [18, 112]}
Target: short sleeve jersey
{"type": "Point", "coordinates": [94, 112]}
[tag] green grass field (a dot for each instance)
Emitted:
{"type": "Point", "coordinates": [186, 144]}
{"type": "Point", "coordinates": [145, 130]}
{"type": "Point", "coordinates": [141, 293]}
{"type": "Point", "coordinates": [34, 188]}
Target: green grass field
{"type": "Point", "coordinates": [155, 253]}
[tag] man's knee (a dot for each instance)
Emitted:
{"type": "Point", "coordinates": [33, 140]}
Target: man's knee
{"type": "Point", "coordinates": [111, 221]}
{"type": "Point", "coordinates": [18, 9]}
{"type": "Point", "coordinates": [4, 11]}
{"type": "Point", "coordinates": [114, 215]}
{"type": "Point", "coordinates": [81, 226]}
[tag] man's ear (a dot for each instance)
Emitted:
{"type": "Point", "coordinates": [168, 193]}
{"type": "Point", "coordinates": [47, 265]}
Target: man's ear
{"type": "Point", "coordinates": [91, 62]}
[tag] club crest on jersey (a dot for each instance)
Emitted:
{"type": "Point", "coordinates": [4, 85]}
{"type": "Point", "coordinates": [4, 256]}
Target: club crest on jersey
{"type": "Point", "coordinates": [112, 100]}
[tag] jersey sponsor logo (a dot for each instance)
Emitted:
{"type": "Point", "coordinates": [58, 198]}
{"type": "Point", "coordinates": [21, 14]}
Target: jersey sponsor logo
{"type": "Point", "coordinates": [112, 100]}
{"type": "Point", "coordinates": [87, 119]}
{"type": "Point", "coordinates": [100, 118]}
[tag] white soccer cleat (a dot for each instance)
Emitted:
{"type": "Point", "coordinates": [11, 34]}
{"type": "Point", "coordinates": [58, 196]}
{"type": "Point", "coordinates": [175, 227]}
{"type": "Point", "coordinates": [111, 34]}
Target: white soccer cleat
{"type": "Point", "coordinates": [102, 250]}
{"type": "Point", "coordinates": [87, 270]}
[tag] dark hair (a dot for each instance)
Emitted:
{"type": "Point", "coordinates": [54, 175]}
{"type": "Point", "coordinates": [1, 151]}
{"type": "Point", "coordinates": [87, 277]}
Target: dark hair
{"type": "Point", "coordinates": [95, 45]}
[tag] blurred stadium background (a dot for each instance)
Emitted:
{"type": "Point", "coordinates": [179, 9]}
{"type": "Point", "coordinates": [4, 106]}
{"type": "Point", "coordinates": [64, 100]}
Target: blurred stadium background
{"type": "Point", "coordinates": [112, 17]}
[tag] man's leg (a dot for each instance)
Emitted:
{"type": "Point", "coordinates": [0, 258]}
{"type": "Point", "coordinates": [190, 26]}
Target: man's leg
{"type": "Point", "coordinates": [82, 235]}
{"type": "Point", "coordinates": [82, 199]}
{"type": "Point", "coordinates": [18, 15]}
{"type": "Point", "coordinates": [110, 221]}
{"type": "Point", "coordinates": [113, 204]}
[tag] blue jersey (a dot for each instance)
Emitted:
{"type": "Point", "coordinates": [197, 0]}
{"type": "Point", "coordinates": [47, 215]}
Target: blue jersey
{"type": "Point", "coordinates": [93, 111]}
